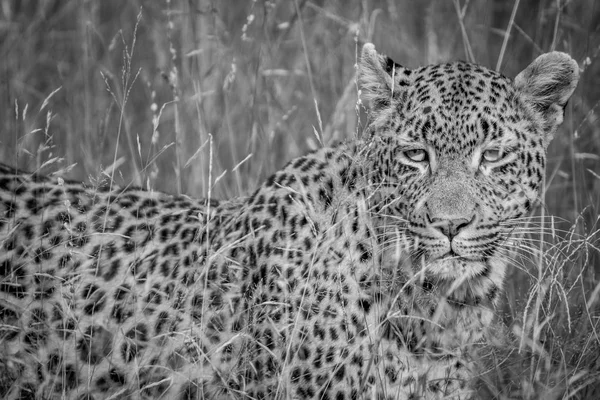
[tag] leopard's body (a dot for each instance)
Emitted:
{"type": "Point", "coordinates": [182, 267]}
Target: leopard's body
{"type": "Point", "coordinates": [367, 269]}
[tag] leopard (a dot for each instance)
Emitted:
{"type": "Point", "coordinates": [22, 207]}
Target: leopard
{"type": "Point", "coordinates": [369, 269]}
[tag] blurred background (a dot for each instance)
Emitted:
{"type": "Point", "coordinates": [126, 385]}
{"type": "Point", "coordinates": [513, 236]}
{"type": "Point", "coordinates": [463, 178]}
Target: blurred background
{"type": "Point", "coordinates": [207, 98]}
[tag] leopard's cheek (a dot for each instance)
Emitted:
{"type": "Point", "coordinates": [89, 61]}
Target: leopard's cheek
{"type": "Point", "coordinates": [519, 186]}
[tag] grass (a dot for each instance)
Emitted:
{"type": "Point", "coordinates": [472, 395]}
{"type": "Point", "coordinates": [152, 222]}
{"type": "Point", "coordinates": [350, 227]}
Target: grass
{"type": "Point", "coordinates": [209, 98]}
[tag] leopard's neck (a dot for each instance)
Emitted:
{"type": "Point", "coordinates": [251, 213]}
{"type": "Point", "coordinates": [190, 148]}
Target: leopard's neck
{"type": "Point", "coordinates": [327, 197]}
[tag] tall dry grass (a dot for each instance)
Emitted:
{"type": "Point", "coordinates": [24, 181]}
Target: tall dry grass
{"type": "Point", "coordinates": [208, 98]}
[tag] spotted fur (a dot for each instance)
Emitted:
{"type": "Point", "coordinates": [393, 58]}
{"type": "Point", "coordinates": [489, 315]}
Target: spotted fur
{"type": "Point", "coordinates": [366, 270]}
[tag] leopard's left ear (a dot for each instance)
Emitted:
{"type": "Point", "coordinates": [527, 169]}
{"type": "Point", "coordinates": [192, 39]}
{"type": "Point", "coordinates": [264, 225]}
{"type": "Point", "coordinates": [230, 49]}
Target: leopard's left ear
{"type": "Point", "coordinates": [546, 85]}
{"type": "Point", "coordinates": [380, 78]}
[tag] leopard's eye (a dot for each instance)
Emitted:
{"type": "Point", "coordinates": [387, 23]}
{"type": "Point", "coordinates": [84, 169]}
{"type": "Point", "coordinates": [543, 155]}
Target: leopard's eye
{"type": "Point", "coordinates": [416, 155]}
{"type": "Point", "coordinates": [492, 155]}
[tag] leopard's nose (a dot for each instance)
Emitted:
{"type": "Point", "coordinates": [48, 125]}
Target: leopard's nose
{"type": "Point", "coordinates": [449, 227]}
{"type": "Point", "coordinates": [452, 205]}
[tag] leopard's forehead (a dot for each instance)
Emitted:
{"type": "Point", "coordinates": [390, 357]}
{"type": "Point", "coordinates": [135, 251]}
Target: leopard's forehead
{"type": "Point", "coordinates": [458, 84]}
{"type": "Point", "coordinates": [456, 104]}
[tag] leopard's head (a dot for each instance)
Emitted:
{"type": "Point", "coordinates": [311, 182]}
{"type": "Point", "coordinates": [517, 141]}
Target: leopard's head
{"type": "Point", "coordinates": [457, 154]}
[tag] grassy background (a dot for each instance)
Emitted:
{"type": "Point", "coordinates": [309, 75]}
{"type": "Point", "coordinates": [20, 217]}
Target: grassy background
{"type": "Point", "coordinates": [207, 98]}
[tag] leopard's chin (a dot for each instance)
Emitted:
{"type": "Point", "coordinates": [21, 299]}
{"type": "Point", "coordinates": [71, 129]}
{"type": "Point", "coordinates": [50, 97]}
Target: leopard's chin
{"type": "Point", "coordinates": [456, 268]}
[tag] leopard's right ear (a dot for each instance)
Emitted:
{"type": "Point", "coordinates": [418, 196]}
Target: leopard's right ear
{"type": "Point", "coordinates": [380, 78]}
{"type": "Point", "coordinates": [545, 86]}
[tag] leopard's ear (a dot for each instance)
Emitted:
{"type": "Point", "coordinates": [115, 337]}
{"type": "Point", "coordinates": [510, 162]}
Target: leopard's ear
{"type": "Point", "coordinates": [380, 78]}
{"type": "Point", "coordinates": [545, 86]}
